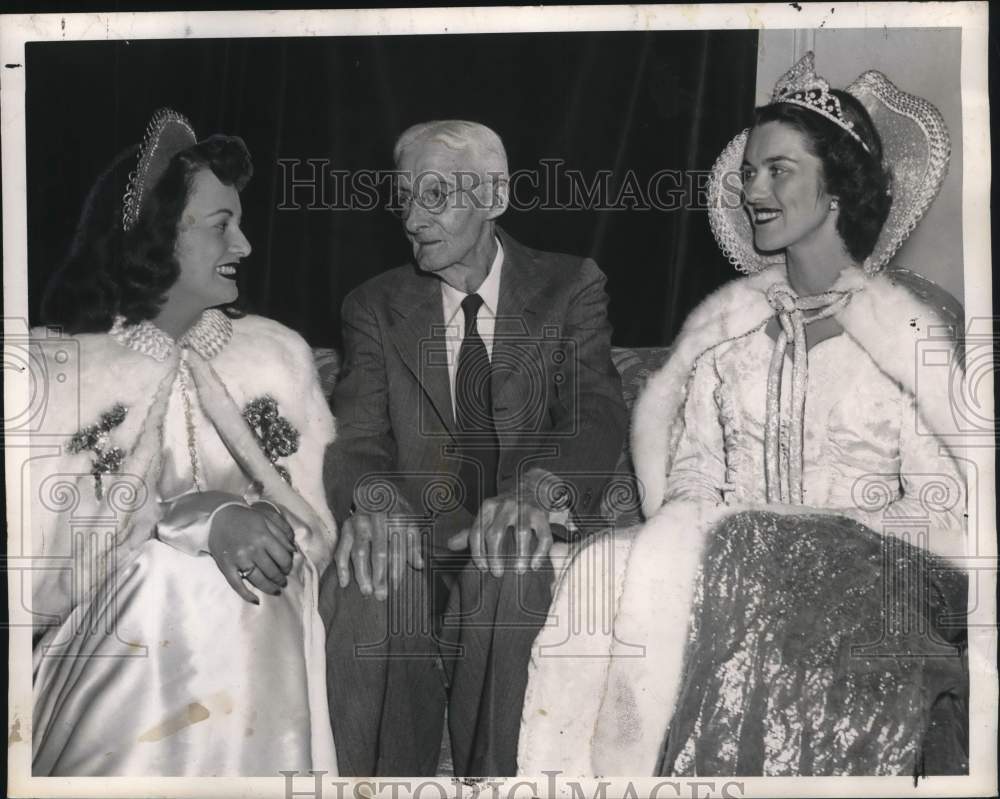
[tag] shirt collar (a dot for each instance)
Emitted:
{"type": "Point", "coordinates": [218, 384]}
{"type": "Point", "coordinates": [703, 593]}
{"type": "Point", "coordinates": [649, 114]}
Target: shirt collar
{"type": "Point", "coordinates": [489, 290]}
{"type": "Point", "coordinates": [208, 336]}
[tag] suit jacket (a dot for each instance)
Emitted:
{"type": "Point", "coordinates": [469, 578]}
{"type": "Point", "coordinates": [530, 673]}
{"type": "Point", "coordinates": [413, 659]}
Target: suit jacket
{"type": "Point", "coordinates": [557, 399]}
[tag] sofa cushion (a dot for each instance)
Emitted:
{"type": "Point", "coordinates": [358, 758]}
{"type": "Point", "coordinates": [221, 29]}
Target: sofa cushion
{"type": "Point", "coordinates": [623, 500]}
{"type": "Point", "coordinates": [328, 365]}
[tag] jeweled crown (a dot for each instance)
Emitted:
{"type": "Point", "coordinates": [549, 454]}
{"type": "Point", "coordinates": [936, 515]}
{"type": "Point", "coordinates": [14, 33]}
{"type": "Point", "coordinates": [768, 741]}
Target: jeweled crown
{"type": "Point", "coordinates": [803, 87]}
{"type": "Point", "coordinates": [166, 135]}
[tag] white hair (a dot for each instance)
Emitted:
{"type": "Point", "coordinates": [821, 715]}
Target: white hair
{"type": "Point", "coordinates": [484, 144]}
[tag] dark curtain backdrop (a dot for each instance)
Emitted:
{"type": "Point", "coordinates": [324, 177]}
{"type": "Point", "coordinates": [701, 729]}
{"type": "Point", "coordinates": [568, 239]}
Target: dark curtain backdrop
{"type": "Point", "coordinates": [630, 104]}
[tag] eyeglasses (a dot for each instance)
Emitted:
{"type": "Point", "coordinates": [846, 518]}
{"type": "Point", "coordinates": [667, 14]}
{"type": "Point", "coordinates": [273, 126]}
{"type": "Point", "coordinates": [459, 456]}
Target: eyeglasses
{"type": "Point", "coordinates": [432, 199]}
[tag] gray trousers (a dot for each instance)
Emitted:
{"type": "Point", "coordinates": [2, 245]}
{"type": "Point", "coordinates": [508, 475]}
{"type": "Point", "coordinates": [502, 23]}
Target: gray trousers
{"type": "Point", "coordinates": [450, 634]}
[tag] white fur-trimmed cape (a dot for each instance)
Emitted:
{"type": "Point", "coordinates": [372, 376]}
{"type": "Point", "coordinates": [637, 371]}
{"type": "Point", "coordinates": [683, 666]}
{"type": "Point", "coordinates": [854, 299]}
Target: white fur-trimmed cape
{"type": "Point", "coordinates": [606, 669]}
{"type": "Point", "coordinates": [262, 357]}
{"type": "Point", "coordinates": [884, 318]}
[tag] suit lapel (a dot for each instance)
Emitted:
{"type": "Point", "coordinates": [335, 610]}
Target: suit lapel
{"type": "Point", "coordinates": [518, 317]}
{"type": "Point", "coordinates": [418, 330]}
{"type": "Point", "coordinates": [417, 333]}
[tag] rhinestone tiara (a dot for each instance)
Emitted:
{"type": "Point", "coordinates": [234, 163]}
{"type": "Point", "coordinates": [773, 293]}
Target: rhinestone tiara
{"type": "Point", "coordinates": [803, 87]}
{"type": "Point", "coordinates": [167, 133]}
{"type": "Point", "coordinates": [916, 149]}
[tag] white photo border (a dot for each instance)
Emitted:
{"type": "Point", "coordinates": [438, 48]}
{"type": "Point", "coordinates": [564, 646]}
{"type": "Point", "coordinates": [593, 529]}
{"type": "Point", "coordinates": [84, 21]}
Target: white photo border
{"type": "Point", "coordinates": [16, 31]}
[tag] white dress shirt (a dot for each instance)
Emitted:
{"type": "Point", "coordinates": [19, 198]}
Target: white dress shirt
{"type": "Point", "coordinates": [486, 318]}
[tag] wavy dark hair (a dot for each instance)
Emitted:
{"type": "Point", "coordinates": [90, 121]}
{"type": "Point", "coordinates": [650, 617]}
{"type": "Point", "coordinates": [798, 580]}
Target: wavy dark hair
{"type": "Point", "coordinates": [857, 178]}
{"type": "Point", "coordinates": [110, 272]}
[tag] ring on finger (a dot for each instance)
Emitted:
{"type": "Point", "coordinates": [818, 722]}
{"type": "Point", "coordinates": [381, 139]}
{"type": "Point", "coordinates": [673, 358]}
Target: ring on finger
{"type": "Point", "coordinates": [244, 573]}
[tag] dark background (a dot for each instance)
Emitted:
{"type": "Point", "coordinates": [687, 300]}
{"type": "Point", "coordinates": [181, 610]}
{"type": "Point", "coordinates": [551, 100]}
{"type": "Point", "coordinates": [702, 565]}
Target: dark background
{"type": "Point", "coordinates": [641, 101]}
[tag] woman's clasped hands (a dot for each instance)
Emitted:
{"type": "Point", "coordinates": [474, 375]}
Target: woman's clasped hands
{"type": "Point", "coordinates": [253, 544]}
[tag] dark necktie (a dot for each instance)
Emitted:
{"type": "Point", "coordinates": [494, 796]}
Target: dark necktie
{"type": "Point", "coordinates": [474, 412]}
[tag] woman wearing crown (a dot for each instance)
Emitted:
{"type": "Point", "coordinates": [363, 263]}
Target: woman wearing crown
{"type": "Point", "coordinates": [179, 532]}
{"type": "Point", "coordinates": [800, 519]}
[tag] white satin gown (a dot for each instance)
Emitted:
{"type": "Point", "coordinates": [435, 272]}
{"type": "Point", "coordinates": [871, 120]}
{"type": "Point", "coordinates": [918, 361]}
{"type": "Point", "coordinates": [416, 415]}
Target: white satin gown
{"type": "Point", "coordinates": [190, 679]}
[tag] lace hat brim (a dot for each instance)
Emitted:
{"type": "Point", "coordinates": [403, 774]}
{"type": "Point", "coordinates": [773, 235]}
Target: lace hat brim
{"type": "Point", "coordinates": [916, 148]}
{"type": "Point", "coordinates": [167, 134]}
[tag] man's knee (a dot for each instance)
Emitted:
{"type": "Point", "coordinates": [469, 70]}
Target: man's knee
{"type": "Point", "coordinates": [517, 598]}
{"type": "Point", "coordinates": [402, 623]}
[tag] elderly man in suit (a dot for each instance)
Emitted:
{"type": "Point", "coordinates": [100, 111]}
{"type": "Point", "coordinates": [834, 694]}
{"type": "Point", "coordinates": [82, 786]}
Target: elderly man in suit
{"type": "Point", "coordinates": [479, 415]}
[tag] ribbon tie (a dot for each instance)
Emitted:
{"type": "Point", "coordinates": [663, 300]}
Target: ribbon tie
{"type": "Point", "coordinates": [783, 467]}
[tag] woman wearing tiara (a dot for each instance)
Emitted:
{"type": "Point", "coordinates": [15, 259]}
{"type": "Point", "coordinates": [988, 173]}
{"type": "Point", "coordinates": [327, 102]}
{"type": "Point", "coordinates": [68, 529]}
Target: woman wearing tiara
{"type": "Point", "coordinates": [790, 606]}
{"type": "Point", "coordinates": [181, 526]}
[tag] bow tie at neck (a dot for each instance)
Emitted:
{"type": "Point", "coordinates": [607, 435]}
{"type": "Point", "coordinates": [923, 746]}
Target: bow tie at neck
{"type": "Point", "coordinates": [783, 465]}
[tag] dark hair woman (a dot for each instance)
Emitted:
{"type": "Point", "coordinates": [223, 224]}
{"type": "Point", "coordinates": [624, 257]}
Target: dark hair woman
{"type": "Point", "coordinates": [110, 271]}
{"type": "Point", "coordinates": [775, 485]}
{"type": "Point", "coordinates": [852, 169]}
{"type": "Point", "coordinates": [154, 654]}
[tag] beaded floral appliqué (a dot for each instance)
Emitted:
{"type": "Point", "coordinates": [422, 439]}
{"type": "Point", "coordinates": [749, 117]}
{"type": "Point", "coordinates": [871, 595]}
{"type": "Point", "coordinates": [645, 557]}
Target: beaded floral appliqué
{"type": "Point", "coordinates": [276, 436]}
{"type": "Point", "coordinates": [96, 438]}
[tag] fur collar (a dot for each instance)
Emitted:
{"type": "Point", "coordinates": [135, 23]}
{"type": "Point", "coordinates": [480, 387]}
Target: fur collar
{"type": "Point", "coordinates": [231, 362]}
{"type": "Point", "coordinates": [883, 317]}
{"type": "Point", "coordinates": [208, 337]}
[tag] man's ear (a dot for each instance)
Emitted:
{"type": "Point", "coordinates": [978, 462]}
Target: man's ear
{"type": "Point", "coordinates": [499, 196]}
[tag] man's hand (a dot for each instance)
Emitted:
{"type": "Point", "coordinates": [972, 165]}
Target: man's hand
{"type": "Point", "coordinates": [518, 513]}
{"type": "Point", "coordinates": [379, 545]}
{"type": "Point", "coordinates": [255, 545]}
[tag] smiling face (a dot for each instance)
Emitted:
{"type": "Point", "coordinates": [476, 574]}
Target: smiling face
{"type": "Point", "coordinates": [783, 191]}
{"type": "Point", "coordinates": [455, 243]}
{"type": "Point", "coordinates": [209, 246]}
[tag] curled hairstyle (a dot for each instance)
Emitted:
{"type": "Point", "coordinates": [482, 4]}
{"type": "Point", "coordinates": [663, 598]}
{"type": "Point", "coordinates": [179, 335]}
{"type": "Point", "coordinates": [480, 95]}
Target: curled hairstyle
{"type": "Point", "coordinates": [857, 178]}
{"type": "Point", "coordinates": [110, 272]}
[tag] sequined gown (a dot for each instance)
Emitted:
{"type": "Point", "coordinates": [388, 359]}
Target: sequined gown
{"type": "Point", "coordinates": [801, 659]}
{"type": "Point", "coordinates": [171, 673]}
